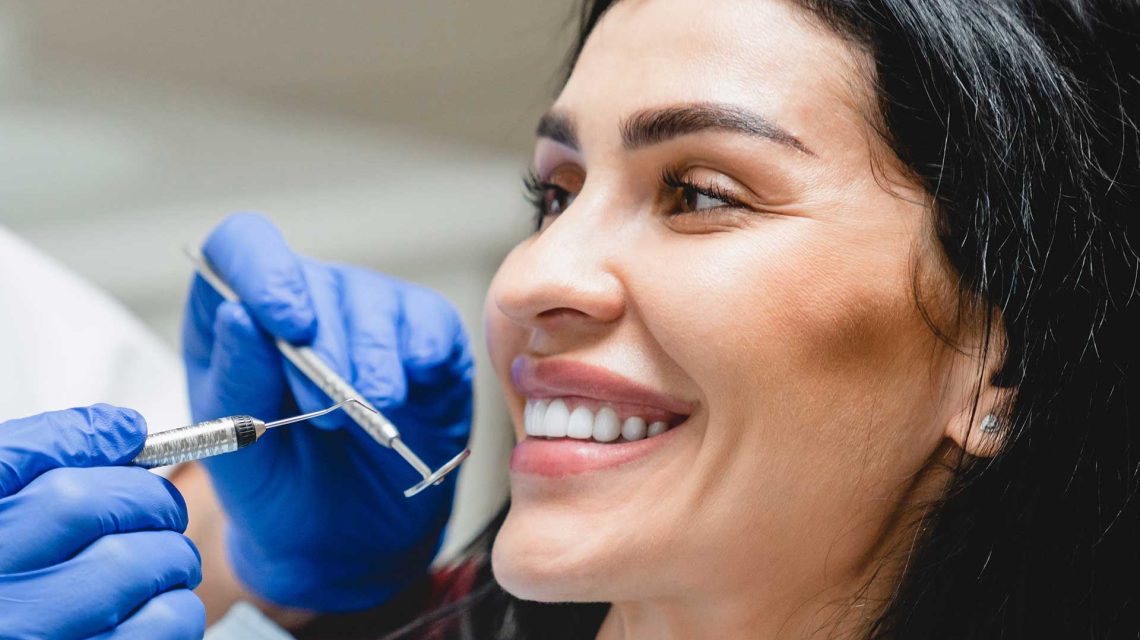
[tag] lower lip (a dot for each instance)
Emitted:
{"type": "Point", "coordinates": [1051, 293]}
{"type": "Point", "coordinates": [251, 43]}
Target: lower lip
{"type": "Point", "coordinates": [561, 457]}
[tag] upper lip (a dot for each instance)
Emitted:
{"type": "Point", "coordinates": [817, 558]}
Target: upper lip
{"type": "Point", "coordinates": [554, 378]}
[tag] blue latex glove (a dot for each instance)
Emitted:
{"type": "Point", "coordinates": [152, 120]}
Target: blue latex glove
{"type": "Point", "coordinates": [317, 515]}
{"type": "Point", "coordinates": [87, 550]}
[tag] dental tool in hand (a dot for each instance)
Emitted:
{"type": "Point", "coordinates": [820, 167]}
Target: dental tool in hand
{"type": "Point", "coordinates": [213, 437]}
{"type": "Point", "coordinates": [313, 367]}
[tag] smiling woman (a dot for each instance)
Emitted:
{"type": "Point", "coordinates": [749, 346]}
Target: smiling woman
{"type": "Point", "coordinates": [823, 329]}
{"type": "Point", "coordinates": [722, 240]}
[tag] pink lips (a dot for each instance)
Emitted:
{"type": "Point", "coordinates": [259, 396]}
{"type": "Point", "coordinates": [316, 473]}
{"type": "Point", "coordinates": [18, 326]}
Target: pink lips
{"type": "Point", "coordinates": [560, 378]}
{"type": "Point", "coordinates": [571, 379]}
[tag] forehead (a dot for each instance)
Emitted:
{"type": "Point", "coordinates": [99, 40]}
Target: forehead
{"type": "Point", "coordinates": [768, 55]}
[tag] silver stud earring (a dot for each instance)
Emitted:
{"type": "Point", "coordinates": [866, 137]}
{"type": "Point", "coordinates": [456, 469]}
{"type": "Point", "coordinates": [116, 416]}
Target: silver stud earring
{"type": "Point", "coordinates": [990, 424]}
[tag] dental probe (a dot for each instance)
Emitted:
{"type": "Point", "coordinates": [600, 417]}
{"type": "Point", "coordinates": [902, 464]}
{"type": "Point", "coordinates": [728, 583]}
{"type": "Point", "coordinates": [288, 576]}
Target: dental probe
{"type": "Point", "coordinates": [212, 438]}
{"type": "Point", "coordinates": [336, 388]}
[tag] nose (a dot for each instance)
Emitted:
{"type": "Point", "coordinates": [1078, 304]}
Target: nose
{"type": "Point", "coordinates": [565, 276]}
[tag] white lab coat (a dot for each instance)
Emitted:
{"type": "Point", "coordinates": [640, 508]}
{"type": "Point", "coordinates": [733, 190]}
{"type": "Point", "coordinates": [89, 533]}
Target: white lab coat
{"type": "Point", "coordinates": [64, 343]}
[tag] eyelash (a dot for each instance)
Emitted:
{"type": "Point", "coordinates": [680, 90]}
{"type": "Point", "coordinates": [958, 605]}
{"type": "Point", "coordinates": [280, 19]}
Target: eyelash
{"type": "Point", "coordinates": [671, 178]}
{"type": "Point", "coordinates": [537, 189]}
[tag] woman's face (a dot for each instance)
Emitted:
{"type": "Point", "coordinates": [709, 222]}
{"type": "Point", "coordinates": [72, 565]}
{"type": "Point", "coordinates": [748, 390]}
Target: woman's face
{"type": "Point", "coordinates": [727, 256]}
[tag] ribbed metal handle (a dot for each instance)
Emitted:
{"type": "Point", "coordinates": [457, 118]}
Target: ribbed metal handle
{"type": "Point", "coordinates": [192, 442]}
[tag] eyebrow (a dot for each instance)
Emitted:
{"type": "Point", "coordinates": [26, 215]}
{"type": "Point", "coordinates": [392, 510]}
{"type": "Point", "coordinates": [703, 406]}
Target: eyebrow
{"type": "Point", "coordinates": [558, 126]}
{"type": "Point", "coordinates": [654, 126]}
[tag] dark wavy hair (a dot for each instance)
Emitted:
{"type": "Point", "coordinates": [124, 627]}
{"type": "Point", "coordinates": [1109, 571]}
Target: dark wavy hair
{"type": "Point", "coordinates": [1019, 118]}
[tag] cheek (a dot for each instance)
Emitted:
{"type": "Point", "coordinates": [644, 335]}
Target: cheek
{"type": "Point", "coordinates": [802, 339]}
{"type": "Point", "coordinates": [838, 317]}
{"type": "Point", "coordinates": [747, 298]}
{"type": "Point", "coordinates": [815, 369]}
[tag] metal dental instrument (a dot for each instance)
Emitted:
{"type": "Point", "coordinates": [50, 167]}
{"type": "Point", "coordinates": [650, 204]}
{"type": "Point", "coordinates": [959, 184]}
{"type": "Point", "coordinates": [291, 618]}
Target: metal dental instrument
{"type": "Point", "coordinates": [339, 391]}
{"type": "Point", "coordinates": [213, 437]}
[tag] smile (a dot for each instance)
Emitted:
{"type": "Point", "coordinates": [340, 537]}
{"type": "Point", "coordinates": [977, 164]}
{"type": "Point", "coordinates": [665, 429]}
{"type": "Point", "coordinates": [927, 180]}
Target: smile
{"type": "Point", "coordinates": [580, 418]}
{"type": "Point", "coordinates": [588, 419]}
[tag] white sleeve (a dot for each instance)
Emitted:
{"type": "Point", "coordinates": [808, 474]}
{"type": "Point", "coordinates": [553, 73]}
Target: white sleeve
{"type": "Point", "coordinates": [64, 344]}
{"type": "Point", "coordinates": [245, 622]}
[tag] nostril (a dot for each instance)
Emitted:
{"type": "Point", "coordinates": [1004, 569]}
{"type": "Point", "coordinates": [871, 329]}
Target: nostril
{"type": "Point", "coordinates": [561, 312]}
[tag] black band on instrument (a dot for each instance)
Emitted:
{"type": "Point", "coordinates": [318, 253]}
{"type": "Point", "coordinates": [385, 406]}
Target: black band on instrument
{"type": "Point", "coordinates": [246, 432]}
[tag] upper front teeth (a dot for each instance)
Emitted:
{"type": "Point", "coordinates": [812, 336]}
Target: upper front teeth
{"type": "Point", "coordinates": [553, 419]}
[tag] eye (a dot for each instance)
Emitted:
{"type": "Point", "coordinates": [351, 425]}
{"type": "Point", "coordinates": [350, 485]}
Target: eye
{"type": "Point", "coordinates": [690, 197]}
{"type": "Point", "coordinates": [555, 199]}
{"type": "Point", "coordinates": [547, 197]}
{"type": "Point", "coordinates": [695, 200]}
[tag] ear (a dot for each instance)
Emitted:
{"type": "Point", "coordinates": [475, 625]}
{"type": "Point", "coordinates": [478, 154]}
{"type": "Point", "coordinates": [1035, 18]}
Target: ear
{"type": "Point", "coordinates": [980, 427]}
{"type": "Point", "coordinates": [981, 431]}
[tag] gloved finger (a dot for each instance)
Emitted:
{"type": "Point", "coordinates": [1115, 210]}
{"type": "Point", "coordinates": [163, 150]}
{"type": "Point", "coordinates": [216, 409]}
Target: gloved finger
{"type": "Point", "coordinates": [440, 370]}
{"type": "Point", "coordinates": [174, 615]}
{"type": "Point", "coordinates": [64, 510]}
{"type": "Point", "coordinates": [93, 436]}
{"type": "Point", "coordinates": [98, 588]}
{"type": "Point", "coordinates": [434, 343]}
{"type": "Point", "coordinates": [245, 373]}
{"type": "Point", "coordinates": [372, 320]}
{"type": "Point", "coordinates": [198, 322]}
{"type": "Point", "coordinates": [442, 404]}
{"type": "Point", "coordinates": [330, 343]}
{"type": "Point", "coordinates": [249, 253]}
{"type": "Point", "coordinates": [246, 376]}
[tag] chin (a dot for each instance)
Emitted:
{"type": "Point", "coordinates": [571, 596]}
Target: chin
{"type": "Point", "coordinates": [550, 559]}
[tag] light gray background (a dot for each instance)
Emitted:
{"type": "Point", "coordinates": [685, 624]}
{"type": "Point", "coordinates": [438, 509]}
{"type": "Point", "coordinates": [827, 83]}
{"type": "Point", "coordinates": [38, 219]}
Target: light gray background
{"type": "Point", "coordinates": [389, 133]}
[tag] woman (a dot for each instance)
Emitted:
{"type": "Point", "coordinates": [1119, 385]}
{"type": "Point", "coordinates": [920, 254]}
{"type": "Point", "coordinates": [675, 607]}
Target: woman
{"type": "Point", "coordinates": [931, 225]}
{"type": "Point", "coordinates": [823, 332]}
{"type": "Point", "coordinates": [870, 264]}
{"type": "Point", "coordinates": [939, 230]}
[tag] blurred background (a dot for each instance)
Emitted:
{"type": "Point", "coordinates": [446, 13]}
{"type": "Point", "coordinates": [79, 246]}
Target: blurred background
{"type": "Point", "coordinates": [388, 133]}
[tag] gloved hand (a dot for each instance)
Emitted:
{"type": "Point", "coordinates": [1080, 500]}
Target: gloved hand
{"type": "Point", "coordinates": [88, 550]}
{"type": "Point", "coordinates": [317, 515]}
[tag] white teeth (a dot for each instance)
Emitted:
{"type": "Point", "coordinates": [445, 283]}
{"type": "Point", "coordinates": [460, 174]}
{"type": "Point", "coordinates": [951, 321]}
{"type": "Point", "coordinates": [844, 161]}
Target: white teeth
{"type": "Point", "coordinates": [633, 428]}
{"type": "Point", "coordinates": [607, 427]}
{"type": "Point", "coordinates": [581, 424]}
{"type": "Point", "coordinates": [540, 417]}
{"type": "Point", "coordinates": [532, 417]}
{"type": "Point", "coordinates": [553, 419]}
